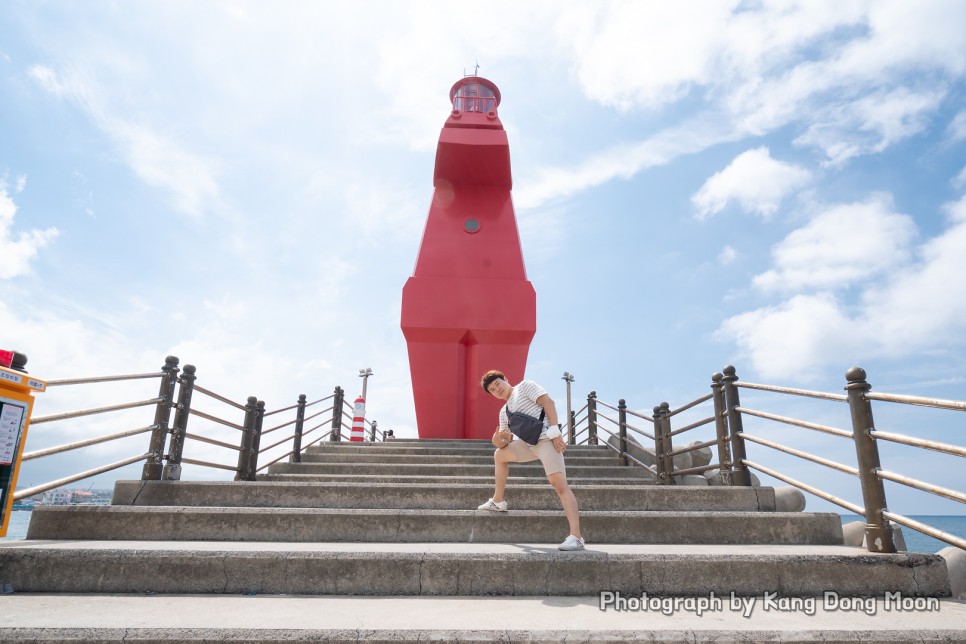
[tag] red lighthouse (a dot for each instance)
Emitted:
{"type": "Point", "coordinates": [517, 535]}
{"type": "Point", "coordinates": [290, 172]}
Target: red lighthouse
{"type": "Point", "coordinates": [468, 306]}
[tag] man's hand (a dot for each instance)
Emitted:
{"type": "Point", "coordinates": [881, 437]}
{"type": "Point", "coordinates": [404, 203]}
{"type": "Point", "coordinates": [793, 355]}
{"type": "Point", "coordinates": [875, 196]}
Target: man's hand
{"type": "Point", "coordinates": [559, 444]}
{"type": "Point", "coordinates": [501, 438]}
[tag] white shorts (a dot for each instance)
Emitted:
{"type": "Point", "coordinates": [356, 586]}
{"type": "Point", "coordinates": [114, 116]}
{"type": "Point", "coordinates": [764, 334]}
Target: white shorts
{"type": "Point", "coordinates": [523, 452]}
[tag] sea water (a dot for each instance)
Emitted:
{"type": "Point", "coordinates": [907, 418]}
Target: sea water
{"type": "Point", "coordinates": [917, 541]}
{"type": "Point", "coordinates": [17, 527]}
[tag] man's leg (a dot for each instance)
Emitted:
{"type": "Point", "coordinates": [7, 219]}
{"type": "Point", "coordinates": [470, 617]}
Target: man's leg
{"type": "Point", "coordinates": [501, 469]}
{"type": "Point", "coordinates": [559, 482]}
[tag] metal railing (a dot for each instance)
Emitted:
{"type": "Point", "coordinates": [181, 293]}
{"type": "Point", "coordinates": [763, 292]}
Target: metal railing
{"type": "Point", "coordinates": [731, 440]}
{"type": "Point", "coordinates": [237, 427]}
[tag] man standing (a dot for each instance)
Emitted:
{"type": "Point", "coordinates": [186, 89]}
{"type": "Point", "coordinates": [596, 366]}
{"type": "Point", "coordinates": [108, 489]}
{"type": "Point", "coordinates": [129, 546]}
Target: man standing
{"type": "Point", "coordinates": [529, 398]}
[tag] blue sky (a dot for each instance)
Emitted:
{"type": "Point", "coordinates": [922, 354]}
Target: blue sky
{"type": "Point", "coordinates": [777, 185]}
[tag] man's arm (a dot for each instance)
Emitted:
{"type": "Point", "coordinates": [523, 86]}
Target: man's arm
{"type": "Point", "coordinates": [554, 434]}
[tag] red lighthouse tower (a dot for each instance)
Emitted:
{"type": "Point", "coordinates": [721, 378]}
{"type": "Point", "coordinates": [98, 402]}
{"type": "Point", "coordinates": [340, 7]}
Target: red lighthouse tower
{"type": "Point", "coordinates": [468, 306]}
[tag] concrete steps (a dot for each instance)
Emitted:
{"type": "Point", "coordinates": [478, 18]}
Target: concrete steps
{"type": "Point", "coordinates": [415, 526]}
{"type": "Point", "coordinates": [449, 569]}
{"type": "Point", "coordinates": [382, 543]}
{"type": "Point", "coordinates": [417, 493]}
{"type": "Point", "coordinates": [198, 619]}
{"type": "Point", "coordinates": [364, 468]}
{"type": "Point", "coordinates": [486, 481]}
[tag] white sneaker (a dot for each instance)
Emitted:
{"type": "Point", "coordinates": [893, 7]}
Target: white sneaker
{"type": "Point", "coordinates": [493, 506]}
{"type": "Point", "coordinates": [572, 543]}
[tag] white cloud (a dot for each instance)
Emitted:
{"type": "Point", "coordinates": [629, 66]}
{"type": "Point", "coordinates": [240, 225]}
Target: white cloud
{"type": "Point", "coordinates": [871, 123]}
{"type": "Point", "coordinates": [957, 127]}
{"type": "Point", "coordinates": [20, 184]}
{"type": "Point", "coordinates": [621, 162]}
{"type": "Point", "coordinates": [754, 179]}
{"type": "Point", "coordinates": [16, 252]}
{"type": "Point", "coordinates": [794, 338]}
{"type": "Point", "coordinates": [920, 308]}
{"type": "Point", "coordinates": [959, 180]}
{"type": "Point", "coordinates": [925, 307]}
{"type": "Point", "coordinates": [630, 54]}
{"type": "Point", "coordinates": [727, 255]}
{"type": "Point", "coordinates": [158, 159]}
{"type": "Point", "coordinates": [841, 247]}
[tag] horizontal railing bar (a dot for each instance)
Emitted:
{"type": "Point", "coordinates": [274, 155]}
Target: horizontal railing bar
{"type": "Point", "coordinates": [195, 412]}
{"type": "Point", "coordinates": [646, 467]}
{"type": "Point", "coordinates": [98, 410]}
{"type": "Point", "coordinates": [851, 507]}
{"type": "Point", "coordinates": [585, 429]}
{"type": "Point", "coordinates": [952, 495]}
{"type": "Point", "coordinates": [601, 402]}
{"type": "Point", "coordinates": [938, 403]}
{"type": "Point", "coordinates": [326, 422]}
{"type": "Point", "coordinates": [697, 470]}
{"type": "Point", "coordinates": [85, 381]}
{"type": "Point", "coordinates": [693, 403]}
{"type": "Point", "coordinates": [320, 438]}
{"type": "Point", "coordinates": [688, 428]}
{"type": "Point", "coordinates": [578, 421]}
{"type": "Point", "coordinates": [66, 447]}
{"type": "Point", "coordinates": [798, 423]}
{"type": "Point", "coordinates": [641, 416]}
{"type": "Point", "coordinates": [275, 461]}
{"type": "Point", "coordinates": [630, 457]}
{"type": "Point", "coordinates": [37, 489]}
{"type": "Point", "coordinates": [639, 431]}
{"type": "Point", "coordinates": [349, 417]}
{"type": "Point", "coordinates": [269, 431]}
{"type": "Point", "coordinates": [211, 441]}
{"type": "Point", "coordinates": [794, 392]}
{"type": "Point", "coordinates": [319, 413]}
{"type": "Point", "coordinates": [284, 440]}
{"type": "Point", "coordinates": [316, 402]}
{"type": "Point", "coordinates": [695, 447]}
{"type": "Point", "coordinates": [945, 448]}
{"type": "Point", "coordinates": [230, 468]}
{"type": "Point", "coordinates": [279, 411]}
{"type": "Point", "coordinates": [580, 411]}
{"type": "Point", "coordinates": [606, 417]}
{"type": "Point", "coordinates": [951, 539]}
{"type": "Point", "coordinates": [212, 394]}
{"type": "Point", "coordinates": [794, 452]}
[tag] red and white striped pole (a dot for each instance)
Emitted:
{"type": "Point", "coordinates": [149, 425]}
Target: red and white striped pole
{"type": "Point", "coordinates": [358, 421]}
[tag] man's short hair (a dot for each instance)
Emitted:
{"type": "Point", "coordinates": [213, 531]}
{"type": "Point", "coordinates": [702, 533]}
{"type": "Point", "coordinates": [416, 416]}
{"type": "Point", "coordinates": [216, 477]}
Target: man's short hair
{"type": "Point", "coordinates": [489, 377]}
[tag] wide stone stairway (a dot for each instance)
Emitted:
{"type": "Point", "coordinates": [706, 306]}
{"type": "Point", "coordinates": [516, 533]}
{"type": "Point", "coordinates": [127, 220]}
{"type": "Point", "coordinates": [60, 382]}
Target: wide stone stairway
{"type": "Point", "coordinates": [383, 542]}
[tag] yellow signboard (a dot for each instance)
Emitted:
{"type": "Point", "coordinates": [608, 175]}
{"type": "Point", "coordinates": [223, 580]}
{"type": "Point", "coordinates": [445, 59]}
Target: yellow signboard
{"type": "Point", "coordinates": [16, 404]}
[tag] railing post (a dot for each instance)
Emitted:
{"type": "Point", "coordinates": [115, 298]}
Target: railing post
{"type": "Point", "coordinates": [878, 529]}
{"type": "Point", "coordinates": [245, 445]}
{"type": "Point", "coordinates": [154, 465]}
{"type": "Point", "coordinates": [256, 440]}
{"type": "Point", "coordinates": [336, 434]}
{"type": "Point", "coordinates": [572, 438]}
{"type": "Point", "coordinates": [721, 428]}
{"type": "Point", "coordinates": [662, 475]}
{"type": "Point", "coordinates": [622, 432]}
{"type": "Point", "coordinates": [592, 418]}
{"type": "Point", "coordinates": [172, 470]}
{"type": "Point", "coordinates": [740, 474]}
{"type": "Point", "coordinates": [569, 378]}
{"type": "Point", "coordinates": [296, 456]}
{"type": "Point", "coordinates": [373, 439]}
{"type": "Point", "coordinates": [666, 442]}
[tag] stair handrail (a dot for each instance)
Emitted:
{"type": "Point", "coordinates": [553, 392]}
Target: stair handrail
{"type": "Point", "coordinates": [164, 457]}
{"type": "Point", "coordinates": [864, 435]}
